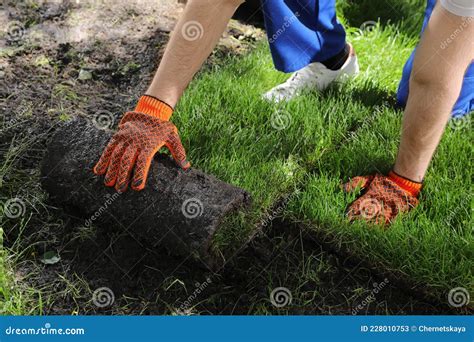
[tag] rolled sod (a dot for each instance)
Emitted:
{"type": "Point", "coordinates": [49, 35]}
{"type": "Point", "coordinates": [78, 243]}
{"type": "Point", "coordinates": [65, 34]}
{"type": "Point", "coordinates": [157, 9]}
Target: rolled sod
{"type": "Point", "coordinates": [179, 210]}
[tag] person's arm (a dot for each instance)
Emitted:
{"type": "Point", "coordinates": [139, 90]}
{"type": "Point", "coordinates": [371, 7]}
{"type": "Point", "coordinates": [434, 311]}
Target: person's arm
{"type": "Point", "coordinates": [435, 85]}
{"type": "Point", "coordinates": [195, 36]}
{"type": "Point", "coordinates": [144, 131]}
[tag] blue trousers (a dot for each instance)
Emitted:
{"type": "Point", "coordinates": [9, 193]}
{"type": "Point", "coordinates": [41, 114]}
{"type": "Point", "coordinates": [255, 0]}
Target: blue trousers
{"type": "Point", "coordinates": [301, 32]}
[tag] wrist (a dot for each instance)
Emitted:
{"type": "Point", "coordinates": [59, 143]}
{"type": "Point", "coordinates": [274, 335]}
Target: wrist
{"type": "Point", "coordinates": [406, 184]}
{"type": "Point", "coordinates": [154, 107]}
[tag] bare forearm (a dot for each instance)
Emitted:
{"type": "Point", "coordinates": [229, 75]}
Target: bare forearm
{"type": "Point", "coordinates": [434, 87]}
{"type": "Point", "coordinates": [193, 39]}
{"type": "Point", "coordinates": [428, 110]}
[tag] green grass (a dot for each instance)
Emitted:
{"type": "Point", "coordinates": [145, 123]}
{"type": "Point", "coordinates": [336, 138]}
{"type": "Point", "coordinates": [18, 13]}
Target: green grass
{"type": "Point", "coordinates": [229, 127]}
{"type": "Point", "coordinates": [343, 132]}
{"type": "Point", "coordinates": [434, 243]}
{"type": "Point", "coordinates": [10, 298]}
{"type": "Point", "coordinates": [16, 297]}
{"type": "Point", "coordinates": [230, 130]}
{"type": "Point", "coordinates": [407, 15]}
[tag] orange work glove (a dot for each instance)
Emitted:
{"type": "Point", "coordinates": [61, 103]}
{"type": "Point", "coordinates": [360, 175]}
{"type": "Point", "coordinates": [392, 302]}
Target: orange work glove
{"type": "Point", "coordinates": [140, 135]}
{"type": "Point", "coordinates": [383, 198]}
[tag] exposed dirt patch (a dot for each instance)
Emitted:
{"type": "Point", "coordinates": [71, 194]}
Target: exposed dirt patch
{"type": "Point", "coordinates": [150, 282]}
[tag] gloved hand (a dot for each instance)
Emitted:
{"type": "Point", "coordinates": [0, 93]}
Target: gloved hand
{"type": "Point", "coordinates": [383, 198]}
{"type": "Point", "coordinates": [140, 135]}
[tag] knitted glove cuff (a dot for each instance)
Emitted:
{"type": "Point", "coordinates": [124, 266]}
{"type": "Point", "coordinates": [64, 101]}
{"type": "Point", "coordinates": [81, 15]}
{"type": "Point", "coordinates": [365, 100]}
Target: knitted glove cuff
{"type": "Point", "coordinates": [409, 186]}
{"type": "Point", "coordinates": [152, 106]}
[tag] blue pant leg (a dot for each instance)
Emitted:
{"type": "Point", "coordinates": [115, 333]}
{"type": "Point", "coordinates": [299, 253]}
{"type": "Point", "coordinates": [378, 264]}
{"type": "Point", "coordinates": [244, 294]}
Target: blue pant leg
{"type": "Point", "coordinates": [301, 32]}
{"type": "Point", "coordinates": [465, 102]}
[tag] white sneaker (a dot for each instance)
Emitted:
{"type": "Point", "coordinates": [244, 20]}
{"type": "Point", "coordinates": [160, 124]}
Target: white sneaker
{"type": "Point", "coordinates": [315, 75]}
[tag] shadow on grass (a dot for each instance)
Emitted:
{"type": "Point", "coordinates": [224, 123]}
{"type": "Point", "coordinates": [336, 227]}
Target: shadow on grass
{"type": "Point", "coordinates": [363, 159]}
{"type": "Point", "coordinates": [408, 14]}
{"type": "Point", "coordinates": [369, 94]}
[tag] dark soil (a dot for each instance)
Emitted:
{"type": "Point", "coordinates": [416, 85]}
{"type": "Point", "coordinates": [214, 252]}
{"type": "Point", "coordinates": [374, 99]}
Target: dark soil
{"type": "Point", "coordinates": [145, 281]}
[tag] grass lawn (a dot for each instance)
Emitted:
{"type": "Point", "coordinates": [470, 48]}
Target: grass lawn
{"type": "Point", "coordinates": [292, 157]}
{"type": "Point", "coordinates": [318, 140]}
{"type": "Point", "coordinates": [433, 244]}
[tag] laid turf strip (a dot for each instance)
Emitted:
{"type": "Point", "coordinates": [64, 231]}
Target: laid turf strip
{"type": "Point", "coordinates": [238, 137]}
{"type": "Point", "coordinates": [314, 142]}
{"type": "Point", "coordinates": [434, 243]}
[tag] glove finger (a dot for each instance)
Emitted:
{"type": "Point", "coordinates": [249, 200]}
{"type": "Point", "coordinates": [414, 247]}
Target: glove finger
{"type": "Point", "coordinates": [112, 171]}
{"type": "Point", "coordinates": [126, 165]}
{"type": "Point", "coordinates": [359, 182]}
{"type": "Point", "coordinates": [176, 148]}
{"type": "Point", "coordinates": [142, 167]}
{"type": "Point", "coordinates": [353, 212]}
{"type": "Point", "coordinates": [101, 167]}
